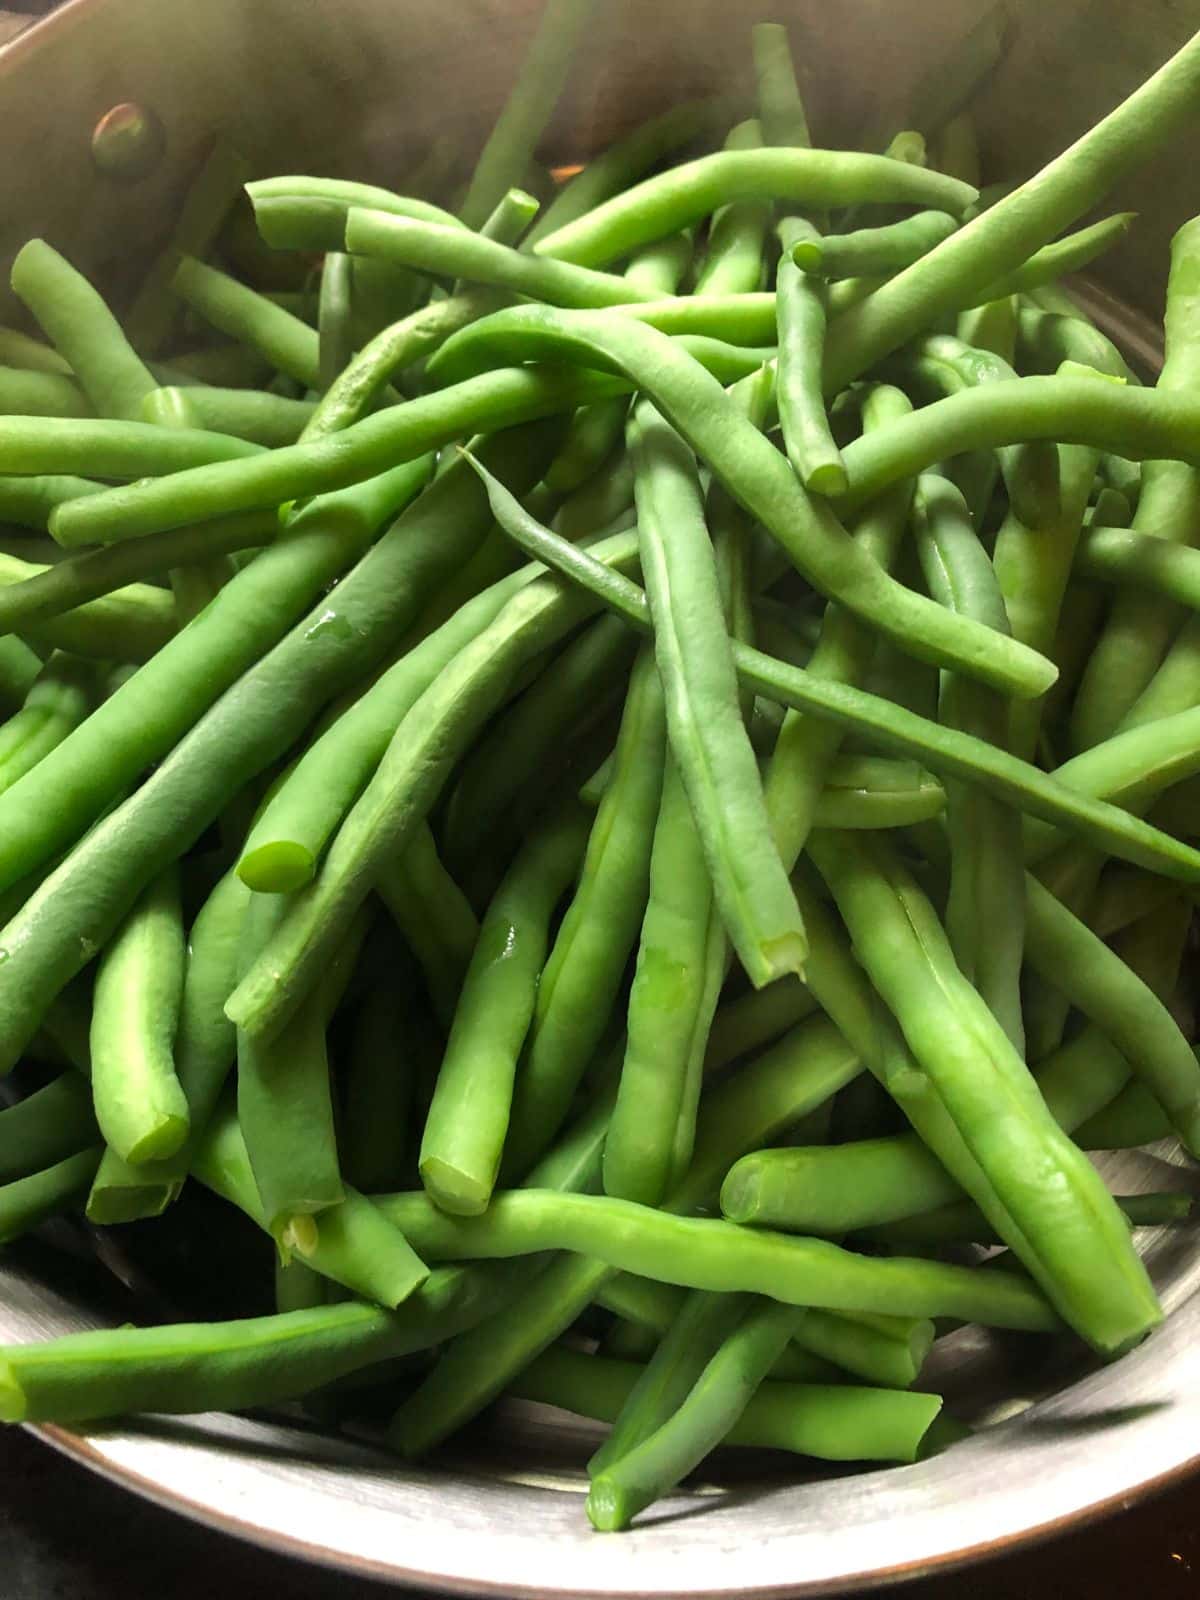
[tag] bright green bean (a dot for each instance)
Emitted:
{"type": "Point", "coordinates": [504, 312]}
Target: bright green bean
{"type": "Point", "coordinates": [254, 414]}
{"type": "Point", "coordinates": [140, 1105]}
{"type": "Point", "coordinates": [59, 699]}
{"type": "Point", "coordinates": [693, 190]}
{"type": "Point", "coordinates": [286, 341]}
{"type": "Point", "coordinates": [874, 251]}
{"type": "Point", "coordinates": [131, 624]}
{"type": "Point", "coordinates": [733, 259]}
{"type": "Point", "coordinates": [1071, 254]}
{"type": "Point", "coordinates": [800, 310]}
{"type": "Point", "coordinates": [28, 501]}
{"type": "Point", "coordinates": [40, 394]}
{"type": "Point", "coordinates": [307, 213]}
{"type": "Point", "coordinates": [1003, 237]}
{"type": "Point", "coordinates": [26, 1202]}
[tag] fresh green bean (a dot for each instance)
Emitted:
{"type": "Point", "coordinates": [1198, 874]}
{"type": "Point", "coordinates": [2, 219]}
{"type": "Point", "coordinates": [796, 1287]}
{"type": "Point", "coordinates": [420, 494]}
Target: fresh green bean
{"type": "Point", "coordinates": [750, 468]}
{"type": "Point", "coordinates": [140, 1105]}
{"type": "Point", "coordinates": [82, 329]}
{"type": "Point", "coordinates": [19, 349]}
{"type": "Point", "coordinates": [204, 1051]}
{"type": "Point", "coordinates": [210, 196]}
{"type": "Point", "coordinates": [800, 310]}
{"type": "Point", "coordinates": [1069, 955]}
{"type": "Point", "coordinates": [780, 1086]}
{"type": "Point", "coordinates": [59, 699]}
{"type": "Point", "coordinates": [543, 72]}
{"type": "Point", "coordinates": [992, 1101]}
{"type": "Point", "coordinates": [335, 321]}
{"type": "Point", "coordinates": [985, 908]}
{"type": "Point", "coordinates": [624, 161]}
{"type": "Point", "coordinates": [505, 223]}
{"type": "Point", "coordinates": [373, 445]}
{"type": "Point", "coordinates": [943, 750]}
{"type": "Point", "coordinates": [572, 688]}
{"type": "Point", "coordinates": [46, 1127]}
{"type": "Point", "coordinates": [733, 259]}
{"type": "Point", "coordinates": [599, 928]}
{"type": "Point", "coordinates": [872, 792]}
{"type": "Point", "coordinates": [1126, 557]}
{"type": "Point", "coordinates": [26, 1202]}
{"type": "Point", "coordinates": [874, 251]}
{"type": "Point", "coordinates": [708, 739]}
{"type": "Point", "coordinates": [40, 394]}
{"type": "Point", "coordinates": [838, 1423]}
{"type": "Point", "coordinates": [38, 597]}
{"type": "Point", "coordinates": [717, 1401]}
{"type": "Point", "coordinates": [695, 189]}
{"type": "Point", "coordinates": [1138, 630]}
{"type": "Point", "coordinates": [1071, 254]}
{"type": "Point", "coordinates": [286, 341]}
{"type": "Point", "coordinates": [284, 1095]}
{"type": "Point", "coordinates": [351, 1243]}
{"type": "Point", "coordinates": [434, 916]}
{"type": "Point", "coordinates": [254, 414]}
{"type": "Point", "coordinates": [307, 213]}
{"type": "Point", "coordinates": [29, 500]}
{"type": "Point", "coordinates": [1002, 238]}
{"type": "Point", "coordinates": [755, 1019]}
{"type": "Point", "coordinates": [458, 253]}
{"type": "Point", "coordinates": [780, 104]}
{"type": "Point", "coordinates": [1131, 1119]}
{"type": "Point", "coordinates": [398, 797]}
{"type": "Point", "coordinates": [963, 1223]}
{"type": "Point", "coordinates": [718, 1256]}
{"type": "Point", "coordinates": [468, 1118]}
{"type": "Point", "coordinates": [131, 624]}
{"type": "Point", "coordinates": [1173, 686]}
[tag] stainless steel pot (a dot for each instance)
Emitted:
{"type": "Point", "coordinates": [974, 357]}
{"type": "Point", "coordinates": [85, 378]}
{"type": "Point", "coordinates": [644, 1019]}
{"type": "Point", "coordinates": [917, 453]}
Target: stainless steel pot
{"type": "Point", "coordinates": [362, 88]}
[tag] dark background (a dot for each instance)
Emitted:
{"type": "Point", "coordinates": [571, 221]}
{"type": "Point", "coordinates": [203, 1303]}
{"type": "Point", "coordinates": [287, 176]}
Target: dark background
{"type": "Point", "coordinates": [68, 1535]}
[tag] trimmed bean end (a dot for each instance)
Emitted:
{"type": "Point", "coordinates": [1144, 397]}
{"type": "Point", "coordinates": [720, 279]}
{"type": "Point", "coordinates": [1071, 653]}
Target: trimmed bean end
{"type": "Point", "coordinates": [453, 1190]}
{"type": "Point", "coordinates": [158, 1142]}
{"type": "Point", "coordinates": [606, 1507]}
{"type": "Point", "coordinates": [107, 1207]}
{"type": "Point", "coordinates": [830, 479]}
{"type": "Point", "coordinates": [280, 867]}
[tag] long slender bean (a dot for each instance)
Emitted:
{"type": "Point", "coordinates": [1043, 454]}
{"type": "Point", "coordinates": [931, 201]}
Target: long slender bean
{"type": "Point", "coordinates": [733, 259]}
{"type": "Point", "coordinates": [286, 341]}
{"type": "Point", "coordinates": [47, 1126]}
{"type": "Point", "coordinates": [59, 699]}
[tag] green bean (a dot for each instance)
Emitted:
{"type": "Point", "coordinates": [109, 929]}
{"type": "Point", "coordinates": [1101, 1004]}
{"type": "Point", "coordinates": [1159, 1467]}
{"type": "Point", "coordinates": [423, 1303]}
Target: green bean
{"type": "Point", "coordinates": [780, 104]}
{"type": "Point", "coordinates": [19, 349]}
{"type": "Point", "coordinates": [1131, 1119]}
{"type": "Point", "coordinates": [284, 340]}
{"type": "Point", "coordinates": [307, 213]}
{"type": "Point", "coordinates": [441, 723]}
{"type": "Point", "coordinates": [505, 223]}
{"type": "Point", "coordinates": [1138, 630]}
{"type": "Point", "coordinates": [131, 624]}
{"type": "Point", "coordinates": [572, 688]}
{"type": "Point", "coordinates": [46, 1127]}
{"type": "Point", "coordinates": [871, 792]}
{"type": "Point", "coordinates": [624, 161]}
{"type": "Point", "coordinates": [296, 471]}
{"type": "Point", "coordinates": [258, 719]}
{"type": "Point", "coordinates": [680, 967]}
{"type": "Point", "coordinates": [697, 1329]}
{"type": "Point", "coordinates": [468, 1118]}
{"type": "Point", "coordinates": [1141, 561]}
{"type": "Point", "coordinates": [40, 394]}
{"type": "Point", "coordinates": [335, 329]}
{"type": "Point", "coordinates": [991, 1100]}
{"type": "Point", "coordinates": [1069, 955]}
{"type": "Point", "coordinates": [801, 1072]}
{"type": "Point", "coordinates": [599, 928]}
{"type": "Point", "coordinates": [254, 414]}
{"type": "Point", "coordinates": [718, 1400]}
{"type": "Point", "coordinates": [204, 1051]}
{"type": "Point", "coordinates": [756, 1018]}
{"type": "Point", "coordinates": [1173, 686]}
{"type": "Point", "coordinates": [82, 329]}
{"type": "Point", "coordinates": [943, 750]}
{"type": "Point", "coordinates": [1124, 896]}
{"type": "Point", "coordinates": [351, 1243]}
{"type": "Point", "coordinates": [837, 1423]}
{"type": "Point", "coordinates": [693, 190]}
{"type": "Point", "coordinates": [1046, 339]}
{"type": "Point", "coordinates": [807, 746]}
{"type": "Point", "coordinates": [458, 253]}
{"type": "Point", "coordinates": [33, 603]}
{"type": "Point", "coordinates": [800, 309]}
{"type": "Point", "coordinates": [29, 500]}
{"type": "Point", "coordinates": [985, 909]}
{"type": "Point", "coordinates": [1002, 238]}
{"type": "Point", "coordinates": [751, 470]}
{"type": "Point", "coordinates": [151, 712]}
{"type": "Point", "coordinates": [962, 1223]}
{"type": "Point", "coordinates": [140, 1105]}
{"type": "Point", "coordinates": [209, 198]}
{"type": "Point", "coordinates": [733, 260]}
{"type": "Point", "coordinates": [718, 1256]}
{"type": "Point", "coordinates": [284, 1096]}
{"type": "Point", "coordinates": [531, 100]}
{"type": "Point", "coordinates": [874, 251]}
{"type": "Point", "coordinates": [1071, 254]}
{"type": "Point", "coordinates": [59, 699]}
{"type": "Point", "coordinates": [708, 740]}
{"type": "Point", "coordinates": [229, 365]}
{"type": "Point", "coordinates": [434, 916]}
{"type": "Point", "coordinates": [26, 1202]}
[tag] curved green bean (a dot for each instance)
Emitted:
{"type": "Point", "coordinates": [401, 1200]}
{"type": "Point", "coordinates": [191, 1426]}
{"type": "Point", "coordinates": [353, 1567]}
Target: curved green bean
{"type": "Point", "coordinates": [47, 1126]}
{"type": "Point", "coordinates": [286, 341]}
{"type": "Point", "coordinates": [254, 414]}
{"type": "Point", "coordinates": [59, 699]}
{"type": "Point", "coordinates": [800, 312]}
{"type": "Point", "coordinates": [733, 257]}
{"type": "Point", "coordinates": [874, 251]}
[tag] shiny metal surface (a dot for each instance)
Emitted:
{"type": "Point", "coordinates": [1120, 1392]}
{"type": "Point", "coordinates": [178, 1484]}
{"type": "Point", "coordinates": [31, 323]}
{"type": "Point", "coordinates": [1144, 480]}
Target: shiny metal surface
{"type": "Point", "coordinates": [1059, 1440]}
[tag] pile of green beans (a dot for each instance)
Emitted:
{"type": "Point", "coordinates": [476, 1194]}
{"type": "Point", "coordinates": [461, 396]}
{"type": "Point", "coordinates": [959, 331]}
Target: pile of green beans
{"type": "Point", "coordinates": [576, 770]}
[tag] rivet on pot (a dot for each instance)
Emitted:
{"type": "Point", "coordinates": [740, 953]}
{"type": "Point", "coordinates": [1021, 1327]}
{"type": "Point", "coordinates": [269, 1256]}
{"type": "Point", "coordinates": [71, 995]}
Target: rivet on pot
{"type": "Point", "coordinates": [128, 142]}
